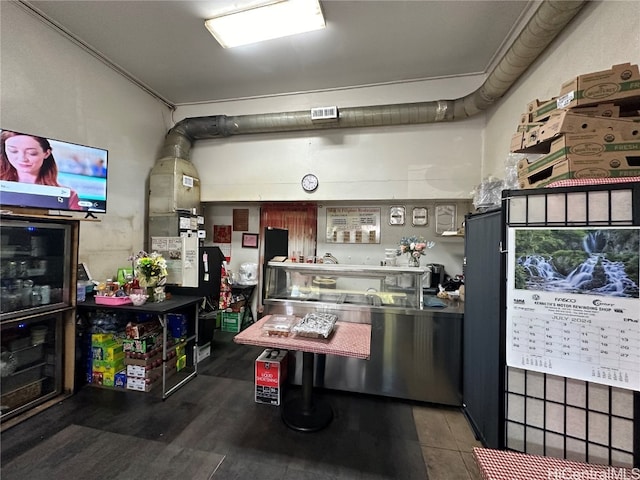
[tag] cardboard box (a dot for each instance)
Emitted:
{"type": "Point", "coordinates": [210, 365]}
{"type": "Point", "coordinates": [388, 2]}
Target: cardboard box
{"type": "Point", "coordinates": [517, 142]}
{"type": "Point", "coordinates": [98, 339]}
{"type": "Point", "coordinates": [108, 379]}
{"type": "Point", "coordinates": [138, 384]}
{"type": "Point", "coordinates": [566, 121]}
{"type": "Point", "coordinates": [525, 118]}
{"type": "Point", "coordinates": [619, 82]}
{"type": "Point", "coordinates": [177, 324]}
{"type": "Point", "coordinates": [534, 105]}
{"type": "Point", "coordinates": [120, 379]}
{"type": "Point", "coordinates": [142, 345]}
{"type": "Point", "coordinates": [567, 169]}
{"type": "Point", "coordinates": [107, 352]}
{"type": "Point", "coordinates": [599, 110]}
{"type": "Point", "coordinates": [151, 372]}
{"type": "Point", "coordinates": [232, 321]}
{"type": "Point", "coordinates": [525, 127]}
{"type": "Point", "coordinates": [271, 374]}
{"type": "Point", "coordinates": [108, 367]}
{"type": "Point", "coordinates": [599, 154]}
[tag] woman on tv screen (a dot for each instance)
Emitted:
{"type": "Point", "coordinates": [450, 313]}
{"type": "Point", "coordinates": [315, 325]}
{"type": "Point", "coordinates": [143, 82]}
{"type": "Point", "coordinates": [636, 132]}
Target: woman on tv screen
{"type": "Point", "coordinates": [29, 159]}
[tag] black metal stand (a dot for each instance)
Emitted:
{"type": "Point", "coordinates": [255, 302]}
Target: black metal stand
{"type": "Point", "coordinates": [307, 414]}
{"type": "Point", "coordinates": [246, 292]}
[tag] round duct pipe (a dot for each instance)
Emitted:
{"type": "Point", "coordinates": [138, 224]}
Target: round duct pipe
{"type": "Point", "coordinates": [546, 23]}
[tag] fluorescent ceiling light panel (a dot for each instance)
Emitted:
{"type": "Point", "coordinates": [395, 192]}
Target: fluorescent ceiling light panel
{"type": "Point", "coordinates": [273, 20]}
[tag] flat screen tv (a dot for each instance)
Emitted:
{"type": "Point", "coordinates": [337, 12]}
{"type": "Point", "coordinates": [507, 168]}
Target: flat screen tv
{"type": "Point", "coordinates": [40, 172]}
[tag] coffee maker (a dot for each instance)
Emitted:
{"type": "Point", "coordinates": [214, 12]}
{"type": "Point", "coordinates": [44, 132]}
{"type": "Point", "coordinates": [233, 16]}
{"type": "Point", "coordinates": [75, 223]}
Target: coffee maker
{"type": "Point", "coordinates": [436, 277]}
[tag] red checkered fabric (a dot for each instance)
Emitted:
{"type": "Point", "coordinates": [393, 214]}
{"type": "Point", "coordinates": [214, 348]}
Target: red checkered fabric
{"type": "Point", "coordinates": [507, 465]}
{"type": "Point", "coordinates": [577, 182]}
{"type": "Point", "coordinates": [348, 340]}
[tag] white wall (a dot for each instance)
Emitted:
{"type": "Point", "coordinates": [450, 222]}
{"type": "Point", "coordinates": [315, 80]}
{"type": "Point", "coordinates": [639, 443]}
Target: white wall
{"type": "Point", "coordinates": [51, 87]}
{"type": "Point", "coordinates": [602, 34]}
{"type": "Point", "coordinates": [380, 163]}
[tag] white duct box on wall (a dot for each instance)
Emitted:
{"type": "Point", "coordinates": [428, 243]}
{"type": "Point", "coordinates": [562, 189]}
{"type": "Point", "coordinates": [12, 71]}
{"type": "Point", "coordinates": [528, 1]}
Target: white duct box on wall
{"type": "Point", "coordinates": [181, 254]}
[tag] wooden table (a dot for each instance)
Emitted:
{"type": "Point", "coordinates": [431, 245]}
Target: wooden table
{"type": "Point", "coordinates": [309, 413]}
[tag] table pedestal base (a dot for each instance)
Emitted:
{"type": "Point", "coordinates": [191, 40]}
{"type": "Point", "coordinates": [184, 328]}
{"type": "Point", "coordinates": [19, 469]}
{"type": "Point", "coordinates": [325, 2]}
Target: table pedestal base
{"type": "Point", "coordinates": [307, 414]}
{"type": "Point", "coordinates": [299, 417]}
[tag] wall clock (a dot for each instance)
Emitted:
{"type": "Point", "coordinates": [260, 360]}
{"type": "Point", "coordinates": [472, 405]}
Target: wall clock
{"type": "Point", "coordinates": [396, 215]}
{"type": "Point", "coordinates": [310, 182]}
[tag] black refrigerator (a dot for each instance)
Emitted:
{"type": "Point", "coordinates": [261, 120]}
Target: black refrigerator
{"type": "Point", "coordinates": [276, 244]}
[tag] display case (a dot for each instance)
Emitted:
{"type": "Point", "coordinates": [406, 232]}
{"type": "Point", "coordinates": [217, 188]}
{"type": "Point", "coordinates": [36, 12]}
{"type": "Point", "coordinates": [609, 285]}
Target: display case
{"type": "Point", "coordinates": [38, 261]}
{"type": "Point", "coordinates": [35, 267]}
{"type": "Point", "coordinates": [415, 350]}
{"type": "Point", "coordinates": [364, 285]}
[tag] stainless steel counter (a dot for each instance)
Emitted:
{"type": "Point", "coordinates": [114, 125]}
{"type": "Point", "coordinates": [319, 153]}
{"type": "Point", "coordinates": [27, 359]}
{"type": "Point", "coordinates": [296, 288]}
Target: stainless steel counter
{"type": "Point", "coordinates": [415, 354]}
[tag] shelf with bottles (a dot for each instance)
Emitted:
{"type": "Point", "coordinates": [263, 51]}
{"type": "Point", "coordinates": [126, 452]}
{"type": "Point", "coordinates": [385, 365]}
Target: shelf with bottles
{"type": "Point", "coordinates": [35, 271]}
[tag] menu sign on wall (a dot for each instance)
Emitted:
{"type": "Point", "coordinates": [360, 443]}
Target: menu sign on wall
{"type": "Point", "coordinates": [353, 225]}
{"type": "Point", "coordinates": [573, 307]}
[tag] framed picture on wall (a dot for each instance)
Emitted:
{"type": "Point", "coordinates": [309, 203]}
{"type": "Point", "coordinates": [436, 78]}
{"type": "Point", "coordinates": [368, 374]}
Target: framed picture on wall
{"type": "Point", "coordinates": [249, 240]}
{"type": "Point", "coordinates": [419, 217]}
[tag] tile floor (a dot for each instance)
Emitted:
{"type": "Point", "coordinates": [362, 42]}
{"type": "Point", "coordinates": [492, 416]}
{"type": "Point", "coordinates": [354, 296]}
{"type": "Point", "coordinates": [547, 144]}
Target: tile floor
{"type": "Point", "coordinates": [213, 429]}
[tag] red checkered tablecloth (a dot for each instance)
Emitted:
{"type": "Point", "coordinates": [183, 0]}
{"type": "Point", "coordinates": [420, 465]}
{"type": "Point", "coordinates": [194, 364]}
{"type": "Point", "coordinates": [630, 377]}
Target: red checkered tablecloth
{"type": "Point", "coordinates": [577, 182]}
{"type": "Point", "coordinates": [507, 465]}
{"type": "Point", "coordinates": [347, 340]}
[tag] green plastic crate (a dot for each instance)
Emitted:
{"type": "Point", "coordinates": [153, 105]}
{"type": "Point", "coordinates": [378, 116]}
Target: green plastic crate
{"type": "Point", "coordinates": [232, 321]}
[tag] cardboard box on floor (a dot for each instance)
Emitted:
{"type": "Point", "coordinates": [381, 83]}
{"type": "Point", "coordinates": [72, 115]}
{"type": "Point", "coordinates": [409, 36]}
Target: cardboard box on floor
{"type": "Point", "coordinates": [620, 82]}
{"type": "Point", "coordinates": [566, 121]}
{"type": "Point", "coordinates": [600, 154]}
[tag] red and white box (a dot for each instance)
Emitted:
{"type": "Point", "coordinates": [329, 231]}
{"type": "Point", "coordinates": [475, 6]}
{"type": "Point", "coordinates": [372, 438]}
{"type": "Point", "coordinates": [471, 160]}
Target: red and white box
{"type": "Point", "coordinates": [271, 373]}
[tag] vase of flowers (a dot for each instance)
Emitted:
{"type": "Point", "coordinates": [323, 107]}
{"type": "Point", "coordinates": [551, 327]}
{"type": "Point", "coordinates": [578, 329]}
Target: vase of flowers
{"type": "Point", "coordinates": [414, 247]}
{"type": "Point", "coordinates": [151, 273]}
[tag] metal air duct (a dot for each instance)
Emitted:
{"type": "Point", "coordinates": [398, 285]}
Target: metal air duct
{"type": "Point", "coordinates": [546, 23]}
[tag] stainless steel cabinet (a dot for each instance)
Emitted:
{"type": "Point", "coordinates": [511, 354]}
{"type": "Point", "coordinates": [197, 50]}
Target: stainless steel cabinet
{"type": "Point", "coordinates": [38, 258]}
{"type": "Point", "coordinates": [415, 351]}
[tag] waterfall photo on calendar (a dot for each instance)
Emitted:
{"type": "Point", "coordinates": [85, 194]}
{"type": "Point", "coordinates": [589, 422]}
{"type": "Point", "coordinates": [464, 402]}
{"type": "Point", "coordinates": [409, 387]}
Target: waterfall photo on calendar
{"type": "Point", "coordinates": [594, 261]}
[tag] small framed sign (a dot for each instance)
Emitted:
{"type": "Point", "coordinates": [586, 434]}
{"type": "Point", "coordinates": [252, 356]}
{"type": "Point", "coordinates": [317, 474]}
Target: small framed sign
{"type": "Point", "coordinates": [396, 215]}
{"type": "Point", "coordinates": [249, 240]}
{"type": "Point", "coordinates": [419, 216]}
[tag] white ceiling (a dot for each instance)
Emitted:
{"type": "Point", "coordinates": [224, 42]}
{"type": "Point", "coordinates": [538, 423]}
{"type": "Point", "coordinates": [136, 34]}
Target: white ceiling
{"type": "Point", "coordinates": [164, 45]}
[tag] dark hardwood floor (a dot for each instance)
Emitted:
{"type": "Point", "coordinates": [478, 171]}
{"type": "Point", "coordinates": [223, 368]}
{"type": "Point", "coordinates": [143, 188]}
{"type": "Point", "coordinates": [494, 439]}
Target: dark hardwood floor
{"type": "Point", "coordinates": [211, 429]}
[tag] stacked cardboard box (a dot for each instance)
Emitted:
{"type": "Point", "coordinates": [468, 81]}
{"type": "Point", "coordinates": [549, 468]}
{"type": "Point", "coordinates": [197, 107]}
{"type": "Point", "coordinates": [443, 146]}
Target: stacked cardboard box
{"type": "Point", "coordinates": [107, 359]}
{"type": "Point", "coordinates": [591, 130]}
{"type": "Point", "coordinates": [597, 91]}
{"type": "Point", "coordinates": [144, 369]}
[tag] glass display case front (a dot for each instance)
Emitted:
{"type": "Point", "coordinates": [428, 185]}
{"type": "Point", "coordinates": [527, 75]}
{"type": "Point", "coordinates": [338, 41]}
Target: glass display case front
{"type": "Point", "coordinates": [37, 272]}
{"type": "Point", "coordinates": [34, 267]}
{"type": "Point", "coordinates": [30, 362]}
{"type": "Point", "coordinates": [345, 284]}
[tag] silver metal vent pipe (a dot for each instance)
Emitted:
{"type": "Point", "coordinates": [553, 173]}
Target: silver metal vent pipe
{"type": "Point", "coordinates": [546, 23]}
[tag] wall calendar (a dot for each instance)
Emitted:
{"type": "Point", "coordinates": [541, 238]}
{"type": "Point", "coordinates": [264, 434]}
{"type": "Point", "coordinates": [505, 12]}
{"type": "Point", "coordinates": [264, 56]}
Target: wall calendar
{"type": "Point", "coordinates": [573, 307]}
